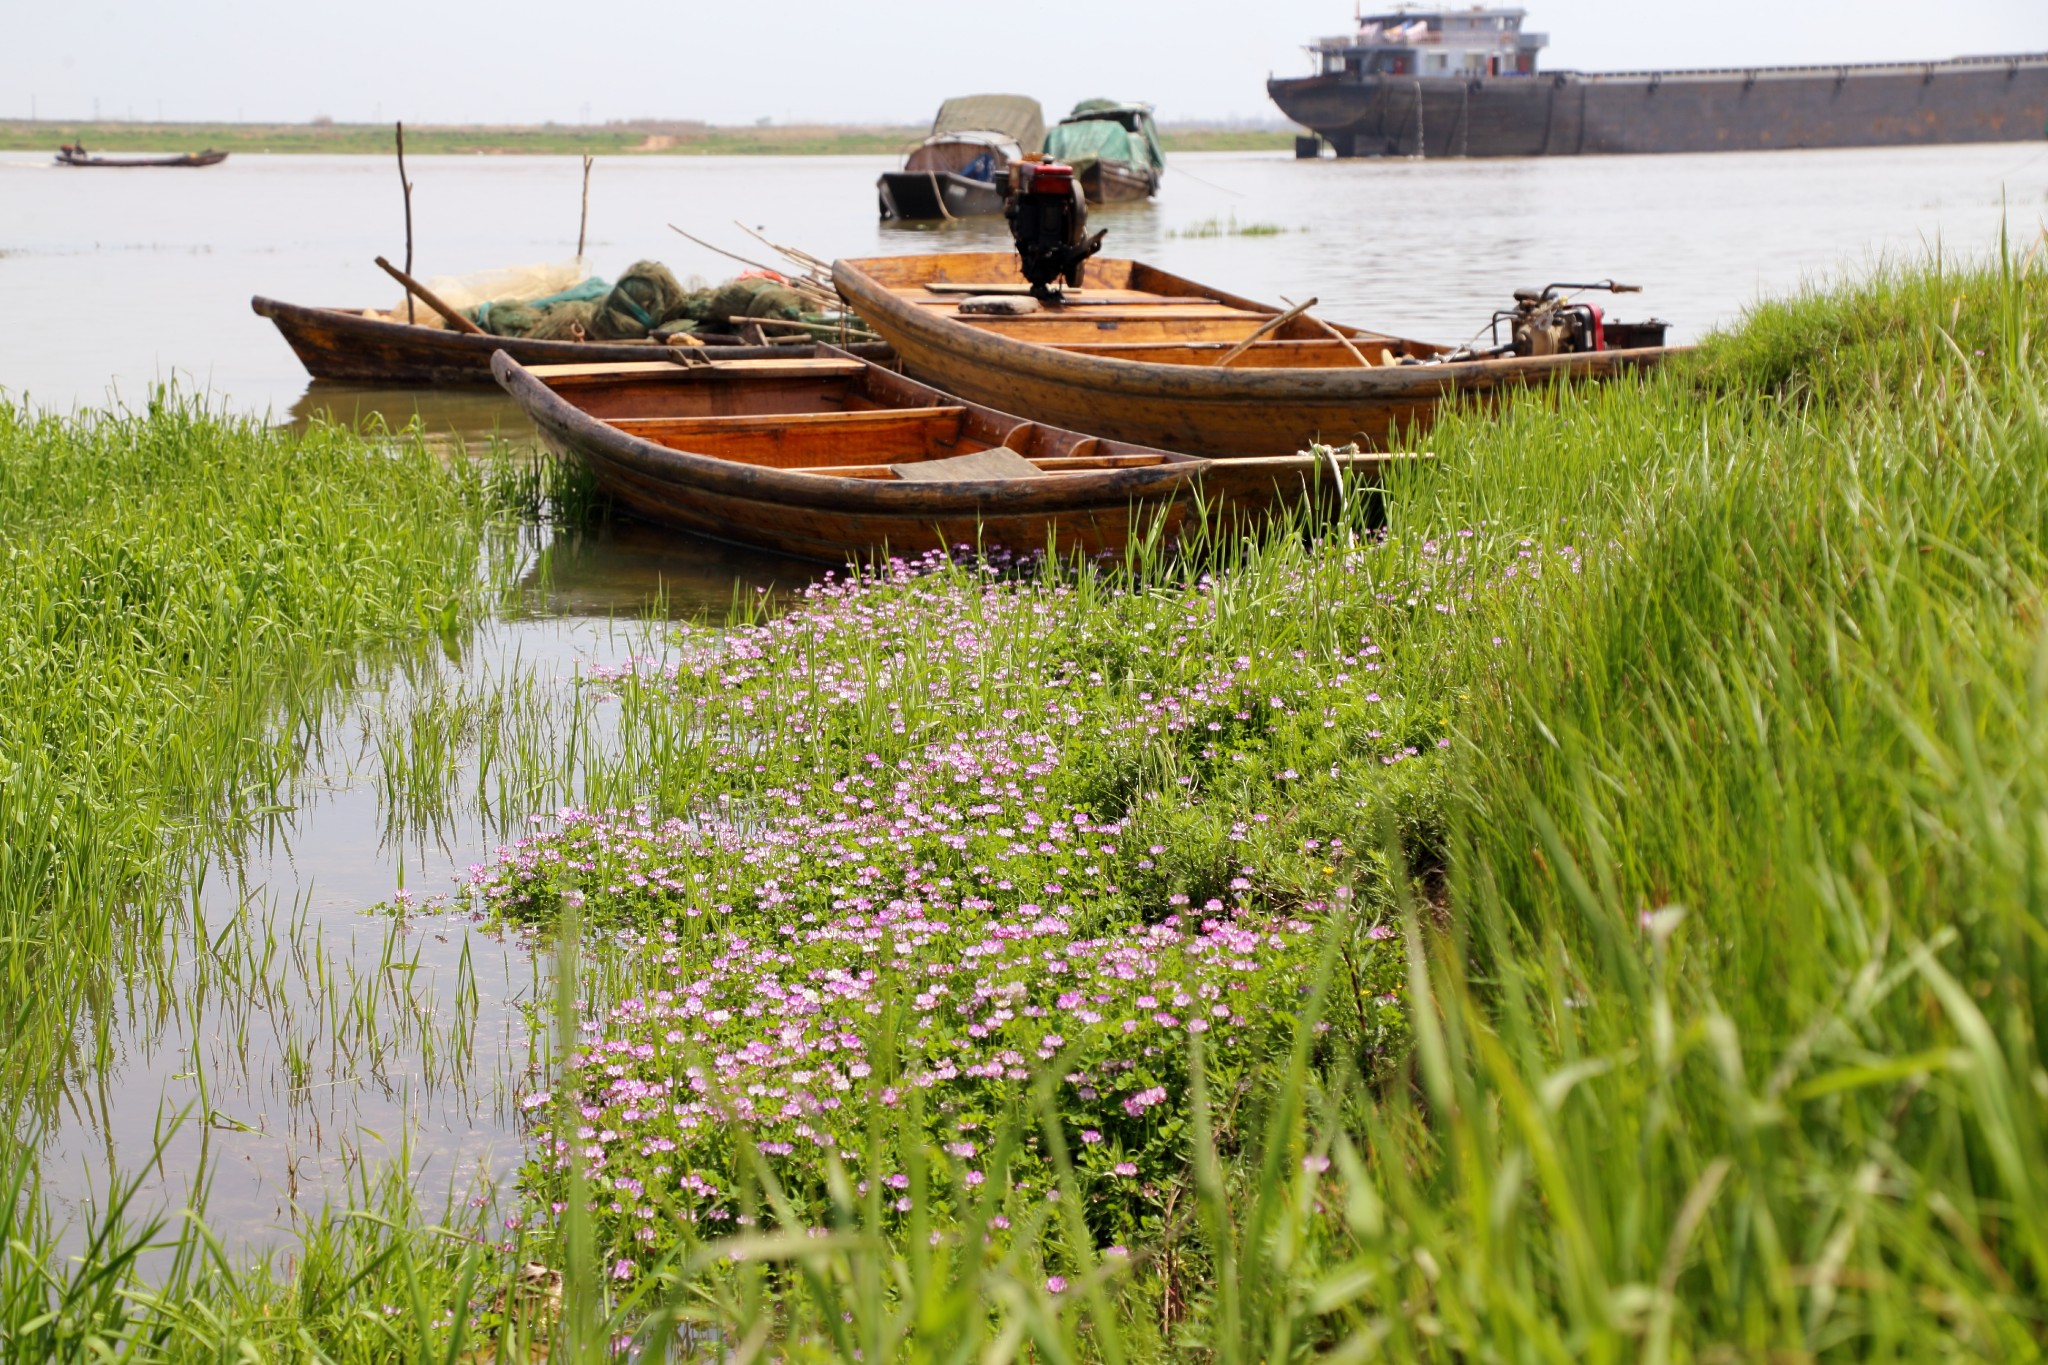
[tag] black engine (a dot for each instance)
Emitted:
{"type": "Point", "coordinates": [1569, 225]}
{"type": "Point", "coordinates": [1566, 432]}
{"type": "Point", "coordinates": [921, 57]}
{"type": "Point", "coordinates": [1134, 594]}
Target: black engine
{"type": "Point", "coordinates": [1049, 222]}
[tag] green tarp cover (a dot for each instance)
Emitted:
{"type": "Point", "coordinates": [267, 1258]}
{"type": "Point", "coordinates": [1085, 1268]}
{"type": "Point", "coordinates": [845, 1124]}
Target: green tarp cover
{"type": "Point", "coordinates": [1108, 131]}
{"type": "Point", "coordinates": [1017, 117]}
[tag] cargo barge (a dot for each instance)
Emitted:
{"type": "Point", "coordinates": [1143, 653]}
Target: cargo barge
{"type": "Point", "coordinates": [1454, 83]}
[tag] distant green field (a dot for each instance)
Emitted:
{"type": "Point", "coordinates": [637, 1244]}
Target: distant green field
{"type": "Point", "coordinates": [547, 139]}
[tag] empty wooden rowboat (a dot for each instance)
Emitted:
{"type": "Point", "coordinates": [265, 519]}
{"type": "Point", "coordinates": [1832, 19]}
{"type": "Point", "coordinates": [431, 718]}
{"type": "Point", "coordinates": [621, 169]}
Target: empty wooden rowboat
{"type": "Point", "coordinates": [829, 457]}
{"type": "Point", "coordinates": [343, 344]}
{"type": "Point", "coordinates": [1142, 355]}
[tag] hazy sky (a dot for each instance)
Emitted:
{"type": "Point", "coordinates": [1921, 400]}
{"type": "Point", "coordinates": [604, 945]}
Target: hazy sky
{"type": "Point", "coordinates": [521, 61]}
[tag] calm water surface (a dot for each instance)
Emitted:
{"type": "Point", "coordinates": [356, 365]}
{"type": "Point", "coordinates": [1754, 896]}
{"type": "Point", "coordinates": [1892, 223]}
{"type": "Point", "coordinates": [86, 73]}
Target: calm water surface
{"type": "Point", "coordinates": [114, 282]}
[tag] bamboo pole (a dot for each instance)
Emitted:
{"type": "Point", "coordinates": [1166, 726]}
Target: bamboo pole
{"type": "Point", "coordinates": [1266, 328]}
{"type": "Point", "coordinates": [1345, 341]}
{"type": "Point", "coordinates": [583, 223]}
{"type": "Point", "coordinates": [406, 186]}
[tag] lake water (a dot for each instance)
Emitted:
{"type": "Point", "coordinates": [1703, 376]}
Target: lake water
{"type": "Point", "coordinates": [112, 282]}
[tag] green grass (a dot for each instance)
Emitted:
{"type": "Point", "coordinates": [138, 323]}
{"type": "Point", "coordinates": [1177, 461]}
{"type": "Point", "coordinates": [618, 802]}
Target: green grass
{"type": "Point", "coordinates": [181, 596]}
{"type": "Point", "coordinates": [641, 137]}
{"type": "Point", "coordinates": [1719, 925]}
{"type": "Point", "coordinates": [1213, 226]}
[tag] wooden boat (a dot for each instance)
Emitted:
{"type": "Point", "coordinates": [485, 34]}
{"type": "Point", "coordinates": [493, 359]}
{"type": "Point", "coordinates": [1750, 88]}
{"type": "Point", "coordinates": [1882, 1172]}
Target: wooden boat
{"type": "Point", "coordinates": [958, 172]}
{"type": "Point", "coordinates": [69, 155]}
{"type": "Point", "coordinates": [1114, 149]}
{"type": "Point", "coordinates": [829, 457]}
{"type": "Point", "coordinates": [340, 343]}
{"type": "Point", "coordinates": [1136, 354]}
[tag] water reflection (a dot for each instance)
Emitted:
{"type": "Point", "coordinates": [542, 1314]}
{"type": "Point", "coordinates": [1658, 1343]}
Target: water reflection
{"type": "Point", "coordinates": [464, 415]}
{"type": "Point", "coordinates": [632, 566]}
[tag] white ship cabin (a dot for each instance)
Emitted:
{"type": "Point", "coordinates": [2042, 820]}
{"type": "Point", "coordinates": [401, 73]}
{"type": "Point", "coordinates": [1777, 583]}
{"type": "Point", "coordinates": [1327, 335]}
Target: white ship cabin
{"type": "Point", "coordinates": [1450, 43]}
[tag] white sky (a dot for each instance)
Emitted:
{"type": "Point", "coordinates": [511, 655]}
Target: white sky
{"type": "Point", "coordinates": [529, 61]}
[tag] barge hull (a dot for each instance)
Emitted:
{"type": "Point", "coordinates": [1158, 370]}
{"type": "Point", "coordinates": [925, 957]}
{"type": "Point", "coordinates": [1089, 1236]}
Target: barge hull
{"type": "Point", "coordinates": [2003, 99]}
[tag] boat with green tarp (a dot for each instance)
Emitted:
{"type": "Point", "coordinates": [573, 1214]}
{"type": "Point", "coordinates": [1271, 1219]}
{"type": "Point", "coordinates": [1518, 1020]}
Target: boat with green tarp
{"type": "Point", "coordinates": [1113, 148]}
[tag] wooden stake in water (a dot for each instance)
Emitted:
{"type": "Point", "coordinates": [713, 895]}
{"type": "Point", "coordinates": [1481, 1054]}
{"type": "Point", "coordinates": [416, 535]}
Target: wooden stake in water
{"type": "Point", "coordinates": [583, 223]}
{"type": "Point", "coordinates": [406, 186]}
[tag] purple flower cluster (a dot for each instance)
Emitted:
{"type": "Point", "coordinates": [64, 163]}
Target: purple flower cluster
{"type": "Point", "coordinates": [899, 892]}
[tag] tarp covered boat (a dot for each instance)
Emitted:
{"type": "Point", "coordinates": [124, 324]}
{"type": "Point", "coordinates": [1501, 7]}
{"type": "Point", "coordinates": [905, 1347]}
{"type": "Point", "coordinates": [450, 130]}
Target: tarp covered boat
{"type": "Point", "coordinates": [1114, 150]}
{"type": "Point", "coordinates": [958, 171]}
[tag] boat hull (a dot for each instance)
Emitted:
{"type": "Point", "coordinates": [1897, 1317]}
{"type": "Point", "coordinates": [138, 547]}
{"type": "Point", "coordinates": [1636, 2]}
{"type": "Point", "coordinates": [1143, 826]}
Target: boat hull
{"type": "Point", "coordinates": [1117, 182]}
{"type": "Point", "coordinates": [919, 196]}
{"type": "Point", "coordinates": [1767, 109]}
{"type": "Point", "coordinates": [334, 343]}
{"type": "Point", "coordinates": [1221, 413]}
{"type": "Point", "coordinates": [776, 506]}
{"type": "Point", "coordinates": [131, 163]}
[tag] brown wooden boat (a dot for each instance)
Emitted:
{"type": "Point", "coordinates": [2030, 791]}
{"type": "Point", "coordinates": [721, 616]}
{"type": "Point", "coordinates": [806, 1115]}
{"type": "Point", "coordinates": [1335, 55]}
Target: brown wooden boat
{"type": "Point", "coordinates": [830, 457]}
{"type": "Point", "coordinates": [1140, 355]}
{"type": "Point", "coordinates": [69, 155]}
{"type": "Point", "coordinates": [341, 343]}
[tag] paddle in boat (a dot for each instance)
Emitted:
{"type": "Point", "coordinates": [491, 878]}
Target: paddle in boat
{"type": "Point", "coordinates": [828, 457]}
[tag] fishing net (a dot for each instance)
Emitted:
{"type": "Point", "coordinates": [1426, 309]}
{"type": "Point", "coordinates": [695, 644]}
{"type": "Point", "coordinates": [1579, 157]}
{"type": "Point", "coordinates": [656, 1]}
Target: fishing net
{"type": "Point", "coordinates": [753, 298]}
{"type": "Point", "coordinates": [645, 295]}
{"type": "Point", "coordinates": [566, 321]}
{"type": "Point", "coordinates": [646, 300]}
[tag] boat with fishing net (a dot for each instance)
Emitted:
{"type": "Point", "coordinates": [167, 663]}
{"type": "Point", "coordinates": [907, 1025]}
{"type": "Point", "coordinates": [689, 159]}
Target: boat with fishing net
{"type": "Point", "coordinates": [959, 171]}
{"type": "Point", "coordinates": [829, 457]}
{"type": "Point", "coordinates": [557, 315]}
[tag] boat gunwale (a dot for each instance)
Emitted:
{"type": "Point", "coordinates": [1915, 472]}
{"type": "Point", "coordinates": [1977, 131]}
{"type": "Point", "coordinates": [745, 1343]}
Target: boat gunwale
{"type": "Point", "coordinates": [818, 489]}
{"type": "Point", "coordinates": [437, 346]}
{"type": "Point", "coordinates": [1196, 383]}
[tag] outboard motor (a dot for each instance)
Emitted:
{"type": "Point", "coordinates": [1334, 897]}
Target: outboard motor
{"type": "Point", "coordinates": [1048, 221]}
{"type": "Point", "coordinates": [1549, 321]}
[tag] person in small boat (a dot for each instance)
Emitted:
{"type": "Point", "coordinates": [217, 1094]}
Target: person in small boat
{"type": "Point", "coordinates": [982, 168]}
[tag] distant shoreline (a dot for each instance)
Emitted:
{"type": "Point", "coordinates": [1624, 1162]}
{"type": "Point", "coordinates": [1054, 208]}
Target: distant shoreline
{"type": "Point", "coordinates": [639, 138]}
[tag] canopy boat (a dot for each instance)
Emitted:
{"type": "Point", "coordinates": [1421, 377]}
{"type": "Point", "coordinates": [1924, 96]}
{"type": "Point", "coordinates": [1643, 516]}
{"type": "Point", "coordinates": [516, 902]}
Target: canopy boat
{"type": "Point", "coordinates": [345, 344]}
{"type": "Point", "coordinates": [958, 171]}
{"type": "Point", "coordinates": [829, 457]}
{"type": "Point", "coordinates": [1136, 354]}
{"type": "Point", "coordinates": [69, 155]}
{"type": "Point", "coordinates": [1113, 148]}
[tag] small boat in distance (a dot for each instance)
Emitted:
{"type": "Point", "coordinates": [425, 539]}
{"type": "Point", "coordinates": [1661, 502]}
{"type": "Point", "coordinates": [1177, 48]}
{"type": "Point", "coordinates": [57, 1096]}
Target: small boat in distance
{"type": "Point", "coordinates": [958, 172]}
{"type": "Point", "coordinates": [830, 458]}
{"type": "Point", "coordinates": [1137, 354]}
{"type": "Point", "coordinates": [74, 154]}
{"type": "Point", "coordinates": [1113, 148]}
{"type": "Point", "coordinates": [347, 344]}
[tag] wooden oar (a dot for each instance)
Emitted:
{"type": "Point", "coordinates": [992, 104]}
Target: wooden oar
{"type": "Point", "coordinates": [431, 299]}
{"type": "Point", "coordinates": [1269, 326]}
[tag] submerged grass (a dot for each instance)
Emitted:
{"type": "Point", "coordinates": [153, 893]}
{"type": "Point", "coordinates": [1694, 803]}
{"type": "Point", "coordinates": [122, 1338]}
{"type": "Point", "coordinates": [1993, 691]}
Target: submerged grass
{"type": "Point", "coordinates": [1711, 940]}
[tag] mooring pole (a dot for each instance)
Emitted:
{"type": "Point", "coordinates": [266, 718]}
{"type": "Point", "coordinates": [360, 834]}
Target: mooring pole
{"type": "Point", "coordinates": [583, 223]}
{"type": "Point", "coordinates": [406, 186]}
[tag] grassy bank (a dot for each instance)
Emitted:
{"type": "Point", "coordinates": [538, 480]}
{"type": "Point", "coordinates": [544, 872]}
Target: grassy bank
{"type": "Point", "coordinates": [1600, 918]}
{"type": "Point", "coordinates": [181, 595]}
{"type": "Point", "coordinates": [643, 138]}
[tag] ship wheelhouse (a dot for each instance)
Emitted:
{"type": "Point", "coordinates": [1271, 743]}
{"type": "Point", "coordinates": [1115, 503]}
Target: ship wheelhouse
{"type": "Point", "coordinates": [1423, 44]}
